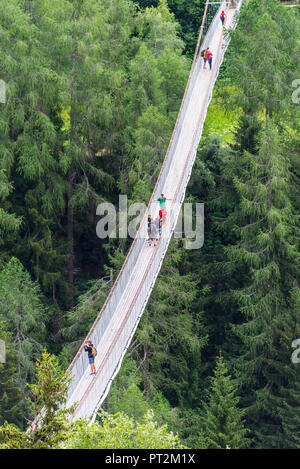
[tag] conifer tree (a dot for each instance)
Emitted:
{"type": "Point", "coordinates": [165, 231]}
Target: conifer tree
{"type": "Point", "coordinates": [188, 14]}
{"type": "Point", "coordinates": [8, 221]}
{"type": "Point", "coordinates": [264, 254]}
{"type": "Point", "coordinates": [264, 57]}
{"type": "Point", "coordinates": [267, 249]}
{"type": "Point", "coordinates": [23, 316]}
{"type": "Point", "coordinates": [10, 392]}
{"type": "Point", "coordinates": [170, 337]}
{"type": "Point", "coordinates": [50, 393]}
{"type": "Point", "coordinates": [223, 423]}
{"type": "Point", "coordinates": [34, 187]}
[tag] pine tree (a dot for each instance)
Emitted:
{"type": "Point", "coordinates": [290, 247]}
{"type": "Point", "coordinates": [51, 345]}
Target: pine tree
{"type": "Point", "coordinates": [223, 424]}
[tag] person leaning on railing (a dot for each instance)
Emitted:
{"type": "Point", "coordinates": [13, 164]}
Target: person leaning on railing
{"type": "Point", "coordinates": [162, 201]}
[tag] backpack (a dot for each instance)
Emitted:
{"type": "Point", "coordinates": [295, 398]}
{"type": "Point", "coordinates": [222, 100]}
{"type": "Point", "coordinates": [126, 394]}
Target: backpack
{"type": "Point", "coordinates": [94, 351]}
{"type": "Point", "coordinates": [202, 53]}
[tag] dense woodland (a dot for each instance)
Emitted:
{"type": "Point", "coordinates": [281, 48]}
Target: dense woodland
{"type": "Point", "coordinates": [93, 88]}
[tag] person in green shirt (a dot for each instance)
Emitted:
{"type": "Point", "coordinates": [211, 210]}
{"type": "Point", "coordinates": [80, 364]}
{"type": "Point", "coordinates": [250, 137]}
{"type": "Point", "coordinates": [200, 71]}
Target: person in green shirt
{"type": "Point", "coordinates": [162, 201]}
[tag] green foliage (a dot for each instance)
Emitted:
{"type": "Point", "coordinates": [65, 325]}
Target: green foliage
{"type": "Point", "coordinates": [264, 56]}
{"type": "Point", "coordinates": [24, 317]}
{"type": "Point", "coordinates": [105, 96]}
{"type": "Point", "coordinates": [81, 318]}
{"type": "Point", "coordinates": [8, 221]}
{"type": "Point", "coordinates": [122, 432]}
{"type": "Point", "coordinates": [170, 337]}
{"type": "Point", "coordinates": [221, 120]}
{"type": "Point", "coordinates": [29, 144]}
{"type": "Point", "coordinates": [53, 430]}
{"type": "Point", "coordinates": [223, 424]}
{"type": "Point", "coordinates": [187, 13]}
{"type": "Point", "coordinates": [93, 91]}
{"type": "Point", "coordinates": [267, 250]}
{"type": "Point", "coordinates": [126, 396]}
{"type": "Point", "coordinates": [22, 314]}
{"type": "Point", "coordinates": [252, 276]}
{"type": "Point", "coordinates": [50, 394]}
{"type": "Point", "coordinates": [131, 402]}
{"type": "Point", "coordinates": [10, 392]}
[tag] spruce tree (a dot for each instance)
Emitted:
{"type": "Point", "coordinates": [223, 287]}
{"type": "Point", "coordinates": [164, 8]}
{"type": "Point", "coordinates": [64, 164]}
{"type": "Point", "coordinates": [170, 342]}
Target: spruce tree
{"type": "Point", "coordinates": [50, 394]}
{"type": "Point", "coordinates": [267, 250]}
{"type": "Point", "coordinates": [223, 423]}
{"type": "Point", "coordinates": [264, 254]}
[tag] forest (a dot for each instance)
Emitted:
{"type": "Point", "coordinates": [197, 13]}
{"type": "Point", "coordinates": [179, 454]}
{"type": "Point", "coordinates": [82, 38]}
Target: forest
{"type": "Point", "coordinates": [92, 93]}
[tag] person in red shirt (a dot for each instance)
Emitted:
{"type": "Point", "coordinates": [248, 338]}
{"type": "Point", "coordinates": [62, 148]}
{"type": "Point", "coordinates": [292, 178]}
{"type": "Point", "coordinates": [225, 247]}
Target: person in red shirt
{"type": "Point", "coordinates": [209, 58]}
{"type": "Point", "coordinates": [223, 17]}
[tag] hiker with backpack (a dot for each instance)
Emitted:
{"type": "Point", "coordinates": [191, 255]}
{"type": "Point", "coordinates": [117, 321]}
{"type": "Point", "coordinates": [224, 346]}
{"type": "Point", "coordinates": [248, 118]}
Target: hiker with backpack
{"type": "Point", "coordinates": [92, 352]}
{"type": "Point", "coordinates": [204, 56]}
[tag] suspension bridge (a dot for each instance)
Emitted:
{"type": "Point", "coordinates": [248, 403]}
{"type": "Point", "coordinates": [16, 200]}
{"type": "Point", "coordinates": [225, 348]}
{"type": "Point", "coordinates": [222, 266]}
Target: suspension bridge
{"type": "Point", "coordinates": [119, 317]}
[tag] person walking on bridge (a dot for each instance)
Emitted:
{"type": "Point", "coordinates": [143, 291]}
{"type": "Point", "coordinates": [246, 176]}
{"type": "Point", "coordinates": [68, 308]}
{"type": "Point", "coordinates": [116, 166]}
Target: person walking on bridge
{"type": "Point", "coordinates": [223, 17]}
{"type": "Point", "coordinates": [158, 223]}
{"type": "Point", "coordinates": [209, 58]}
{"type": "Point", "coordinates": [153, 233]}
{"type": "Point", "coordinates": [204, 55]}
{"type": "Point", "coordinates": [149, 227]}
